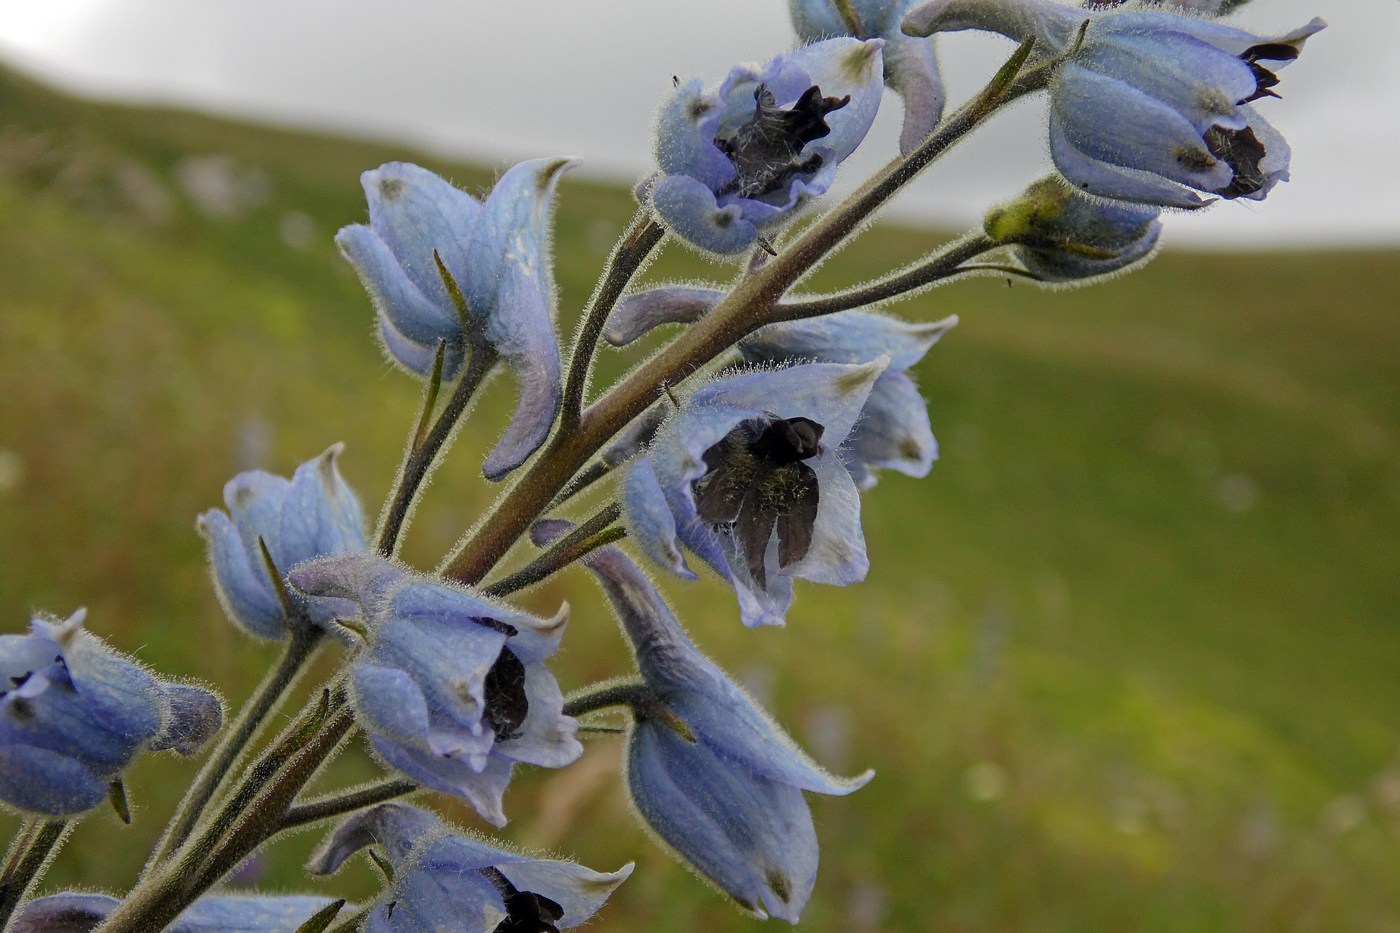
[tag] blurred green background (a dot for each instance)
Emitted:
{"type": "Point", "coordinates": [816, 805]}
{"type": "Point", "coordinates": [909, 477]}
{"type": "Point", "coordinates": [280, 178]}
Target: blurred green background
{"type": "Point", "coordinates": [1127, 660]}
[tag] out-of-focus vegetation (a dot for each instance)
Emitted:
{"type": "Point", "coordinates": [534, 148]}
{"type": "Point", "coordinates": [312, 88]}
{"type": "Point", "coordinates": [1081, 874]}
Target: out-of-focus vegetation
{"type": "Point", "coordinates": [1129, 659]}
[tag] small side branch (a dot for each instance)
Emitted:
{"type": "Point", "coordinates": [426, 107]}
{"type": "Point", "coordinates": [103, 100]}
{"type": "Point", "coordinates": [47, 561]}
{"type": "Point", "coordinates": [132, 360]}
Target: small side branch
{"type": "Point", "coordinates": [323, 808]}
{"type": "Point", "coordinates": [588, 536]}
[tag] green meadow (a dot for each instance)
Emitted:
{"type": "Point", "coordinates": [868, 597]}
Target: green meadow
{"type": "Point", "coordinates": [1128, 659]}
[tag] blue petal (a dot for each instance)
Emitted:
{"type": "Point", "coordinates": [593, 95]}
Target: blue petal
{"type": "Point", "coordinates": [842, 66]}
{"type": "Point", "coordinates": [547, 737]}
{"type": "Point", "coordinates": [415, 212]}
{"type": "Point", "coordinates": [1100, 179]}
{"type": "Point", "coordinates": [846, 337]}
{"type": "Point", "coordinates": [1053, 24]}
{"type": "Point", "coordinates": [483, 789]}
{"type": "Point", "coordinates": [895, 432]}
{"type": "Point", "coordinates": [396, 827]}
{"type": "Point", "coordinates": [244, 590]}
{"type": "Point", "coordinates": [829, 393]}
{"type": "Point", "coordinates": [227, 913]}
{"type": "Point", "coordinates": [689, 210]}
{"type": "Point", "coordinates": [579, 891]}
{"type": "Point", "coordinates": [388, 703]}
{"type": "Point", "coordinates": [40, 781]}
{"type": "Point", "coordinates": [511, 292]}
{"type": "Point", "coordinates": [320, 514]}
{"type": "Point", "coordinates": [685, 137]}
{"type": "Point", "coordinates": [63, 913]}
{"type": "Point", "coordinates": [392, 292]}
{"type": "Point", "coordinates": [118, 693]}
{"type": "Point", "coordinates": [911, 69]}
{"type": "Point", "coordinates": [436, 895]}
{"type": "Point", "coordinates": [254, 502]}
{"type": "Point", "coordinates": [837, 554]}
{"type": "Point", "coordinates": [1193, 77]}
{"type": "Point", "coordinates": [750, 836]}
{"type": "Point", "coordinates": [650, 522]}
{"type": "Point", "coordinates": [638, 313]}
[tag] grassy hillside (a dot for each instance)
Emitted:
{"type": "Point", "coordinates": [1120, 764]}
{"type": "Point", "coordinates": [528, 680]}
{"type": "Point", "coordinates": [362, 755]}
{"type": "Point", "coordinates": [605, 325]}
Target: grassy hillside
{"type": "Point", "coordinates": [1127, 660]}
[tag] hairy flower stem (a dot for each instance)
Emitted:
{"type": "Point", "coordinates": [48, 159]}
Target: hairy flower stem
{"type": "Point", "coordinates": [421, 458]}
{"type": "Point", "coordinates": [588, 536]}
{"type": "Point", "coordinates": [251, 816]}
{"type": "Point", "coordinates": [628, 257]}
{"type": "Point", "coordinates": [33, 846]}
{"type": "Point", "coordinates": [748, 307]}
{"type": "Point", "coordinates": [629, 693]}
{"type": "Point", "coordinates": [323, 808]}
{"type": "Point", "coordinates": [944, 264]}
{"type": "Point", "coordinates": [234, 742]}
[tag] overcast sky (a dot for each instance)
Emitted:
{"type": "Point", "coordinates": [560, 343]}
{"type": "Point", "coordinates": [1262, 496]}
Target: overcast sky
{"type": "Point", "coordinates": [496, 80]}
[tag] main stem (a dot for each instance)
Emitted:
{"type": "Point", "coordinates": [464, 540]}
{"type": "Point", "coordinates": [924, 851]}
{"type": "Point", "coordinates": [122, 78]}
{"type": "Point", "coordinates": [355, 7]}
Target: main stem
{"type": "Point", "coordinates": [745, 309]}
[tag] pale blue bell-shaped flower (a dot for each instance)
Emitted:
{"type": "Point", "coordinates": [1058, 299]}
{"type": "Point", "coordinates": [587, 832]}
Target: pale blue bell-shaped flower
{"type": "Point", "coordinates": [449, 881]}
{"type": "Point", "coordinates": [1148, 106]}
{"type": "Point", "coordinates": [313, 514]}
{"type": "Point", "coordinates": [911, 69]}
{"type": "Point", "coordinates": [72, 911]}
{"type": "Point", "coordinates": [746, 475]}
{"type": "Point", "coordinates": [497, 254]}
{"type": "Point", "coordinates": [712, 775]}
{"type": "Point", "coordinates": [450, 686]}
{"type": "Point", "coordinates": [74, 713]}
{"type": "Point", "coordinates": [893, 431]}
{"type": "Point", "coordinates": [739, 161]}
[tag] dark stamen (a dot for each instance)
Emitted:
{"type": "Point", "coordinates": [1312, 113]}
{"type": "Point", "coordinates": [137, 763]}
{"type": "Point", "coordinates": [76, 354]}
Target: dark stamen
{"type": "Point", "coordinates": [526, 912]}
{"type": "Point", "coordinates": [506, 702]}
{"type": "Point", "coordinates": [1265, 79]}
{"type": "Point", "coordinates": [1242, 151]}
{"type": "Point", "coordinates": [765, 150]}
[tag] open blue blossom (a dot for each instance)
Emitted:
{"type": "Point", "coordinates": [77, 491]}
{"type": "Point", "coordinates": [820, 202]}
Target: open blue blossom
{"type": "Point", "coordinates": [740, 160]}
{"type": "Point", "coordinates": [1150, 106]}
{"type": "Point", "coordinates": [893, 431]}
{"type": "Point", "coordinates": [455, 883]}
{"type": "Point", "coordinates": [73, 912]}
{"type": "Point", "coordinates": [746, 476]}
{"type": "Point", "coordinates": [314, 514]}
{"type": "Point", "coordinates": [498, 255]}
{"type": "Point", "coordinates": [1061, 236]}
{"type": "Point", "coordinates": [709, 772]}
{"type": "Point", "coordinates": [910, 66]}
{"type": "Point", "coordinates": [450, 687]}
{"type": "Point", "coordinates": [74, 713]}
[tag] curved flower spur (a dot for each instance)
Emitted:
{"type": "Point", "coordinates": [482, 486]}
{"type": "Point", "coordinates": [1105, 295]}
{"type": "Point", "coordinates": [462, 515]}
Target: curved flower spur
{"type": "Point", "coordinates": [1148, 106]}
{"type": "Point", "coordinates": [745, 476]}
{"type": "Point", "coordinates": [737, 162]}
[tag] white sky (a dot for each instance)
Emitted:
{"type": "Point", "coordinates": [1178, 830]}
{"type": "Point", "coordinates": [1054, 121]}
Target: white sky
{"type": "Point", "coordinates": [496, 80]}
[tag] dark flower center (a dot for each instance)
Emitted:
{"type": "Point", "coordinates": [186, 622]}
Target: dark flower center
{"type": "Point", "coordinates": [757, 482]}
{"type": "Point", "coordinates": [526, 912]}
{"type": "Point", "coordinates": [506, 702]}
{"type": "Point", "coordinates": [1264, 79]}
{"type": "Point", "coordinates": [1242, 151]}
{"type": "Point", "coordinates": [766, 150]}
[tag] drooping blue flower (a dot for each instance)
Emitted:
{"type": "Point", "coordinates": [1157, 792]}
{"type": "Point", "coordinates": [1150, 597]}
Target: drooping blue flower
{"type": "Point", "coordinates": [314, 514]}
{"type": "Point", "coordinates": [709, 771]}
{"type": "Point", "coordinates": [451, 687]}
{"type": "Point", "coordinates": [1062, 237]}
{"type": "Point", "coordinates": [1150, 106]}
{"type": "Point", "coordinates": [452, 882]}
{"type": "Point", "coordinates": [746, 476]}
{"type": "Point", "coordinates": [73, 912]}
{"type": "Point", "coordinates": [74, 713]}
{"type": "Point", "coordinates": [910, 66]}
{"type": "Point", "coordinates": [498, 255]}
{"type": "Point", "coordinates": [740, 160]}
{"type": "Point", "coordinates": [893, 431]}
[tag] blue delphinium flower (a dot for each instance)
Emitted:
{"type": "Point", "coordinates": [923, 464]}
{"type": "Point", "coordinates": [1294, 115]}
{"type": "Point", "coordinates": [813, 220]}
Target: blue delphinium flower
{"type": "Point", "coordinates": [497, 254]}
{"type": "Point", "coordinates": [449, 881]}
{"type": "Point", "coordinates": [450, 687]}
{"type": "Point", "coordinates": [1150, 106]}
{"type": "Point", "coordinates": [746, 476]}
{"type": "Point", "coordinates": [1062, 237]}
{"type": "Point", "coordinates": [709, 772]}
{"type": "Point", "coordinates": [314, 514]}
{"type": "Point", "coordinates": [740, 160]}
{"type": "Point", "coordinates": [72, 912]}
{"type": "Point", "coordinates": [910, 66]}
{"type": "Point", "coordinates": [893, 431]}
{"type": "Point", "coordinates": [74, 713]}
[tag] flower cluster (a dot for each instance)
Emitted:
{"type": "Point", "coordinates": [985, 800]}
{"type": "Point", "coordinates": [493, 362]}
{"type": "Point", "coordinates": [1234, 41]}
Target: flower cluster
{"type": "Point", "coordinates": [746, 444]}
